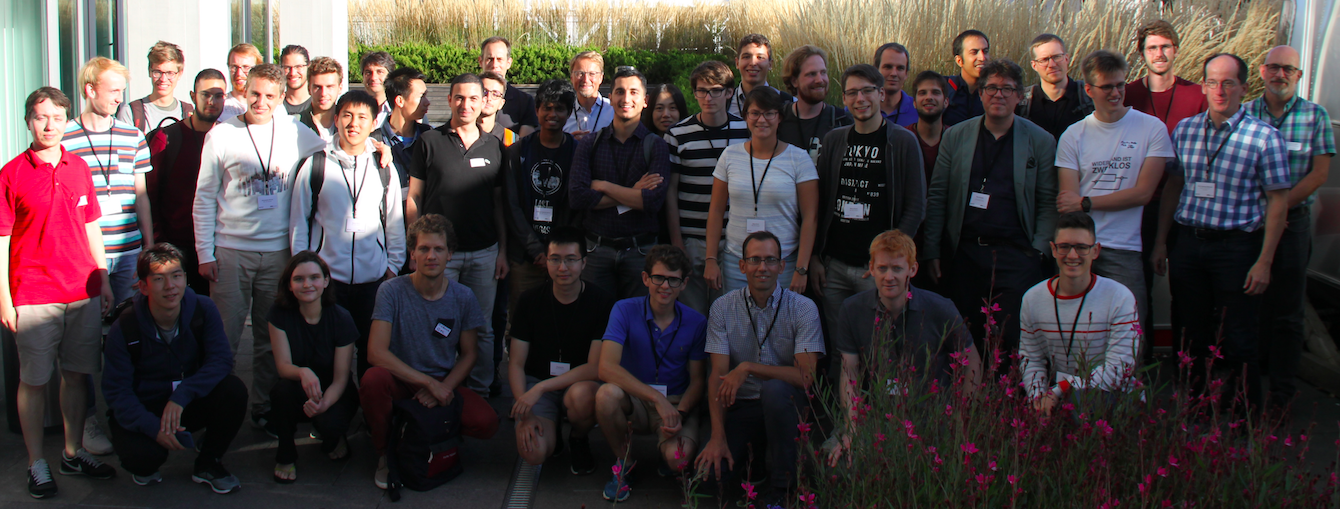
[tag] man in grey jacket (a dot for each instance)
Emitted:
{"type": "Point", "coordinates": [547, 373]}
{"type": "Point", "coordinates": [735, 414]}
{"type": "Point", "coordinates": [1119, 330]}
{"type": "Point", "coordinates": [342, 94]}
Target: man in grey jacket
{"type": "Point", "coordinates": [870, 173]}
{"type": "Point", "coordinates": [991, 210]}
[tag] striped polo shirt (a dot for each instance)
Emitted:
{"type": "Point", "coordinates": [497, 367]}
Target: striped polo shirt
{"type": "Point", "coordinates": [114, 157]}
{"type": "Point", "coordinates": [694, 149]}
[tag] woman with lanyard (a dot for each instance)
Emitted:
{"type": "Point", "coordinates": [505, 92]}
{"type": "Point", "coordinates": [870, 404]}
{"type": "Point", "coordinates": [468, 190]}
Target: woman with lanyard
{"type": "Point", "coordinates": [313, 343]}
{"type": "Point", "coordinates": [767, 185]}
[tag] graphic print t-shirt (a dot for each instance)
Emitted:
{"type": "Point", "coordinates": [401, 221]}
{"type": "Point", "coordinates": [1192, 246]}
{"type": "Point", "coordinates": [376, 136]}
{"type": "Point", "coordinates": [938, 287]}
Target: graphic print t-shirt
{"type": "Point", "coordinates": [862, 208]}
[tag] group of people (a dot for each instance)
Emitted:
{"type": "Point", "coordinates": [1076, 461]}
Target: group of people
{"type": "Point", "coordinates": [649, 259]}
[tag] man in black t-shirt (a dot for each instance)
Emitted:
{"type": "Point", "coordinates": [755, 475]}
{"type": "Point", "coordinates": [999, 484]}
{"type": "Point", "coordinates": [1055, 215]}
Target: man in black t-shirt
{"type": "Point", "coordinates": [555, 353]}
{"type": "Point", "coordinates": [537, 183]}
{"type": "Point", "coordinates": [806, 121]}
{"type": "Point", "coordinates": [518, 113]}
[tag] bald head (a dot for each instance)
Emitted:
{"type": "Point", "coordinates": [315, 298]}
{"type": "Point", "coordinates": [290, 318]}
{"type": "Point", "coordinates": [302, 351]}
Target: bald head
{"type": "Point", "coordinates": [1280, 72]}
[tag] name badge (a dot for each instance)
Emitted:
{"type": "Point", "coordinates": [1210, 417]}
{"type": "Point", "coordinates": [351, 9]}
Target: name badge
{"type": "Point", "coordinates": [478, 162]}
{"type": "Point", "coordinates": [1074, 381]}
{"type": "Point", "coordinates": [895, 388]}
{"type": "Point", "coordinates": [83, 200]}
{"type": "Point", "coordinates": [755, 225]}
{"type": "Point", "coordinates": [558, 368]}
{"type": "Point", "coordinates": [175, 383]}
{"type": "Point", "coordinates": [1205, 190]}
{"type": "Point", "coordinates": [853, 211]}
{"type": "Point", "coordinates": [1295, 146]}
{"type": "Point", "coordinates": [979, 200]}
{"type": "Point", "coordinates": [442, 329]}
{"type": "Point", "coordinates": [661, 389]}
{"type": "Point", "coordinates": [267, 201]}
{"type": "Point", "coordinates": [622, 209]}
{"type": "Point", "coordinates": [357, 225]}
{"type": "Point", "coordinates": [109, 205]}
{"type": "Point", "coordinates": [544, 214]}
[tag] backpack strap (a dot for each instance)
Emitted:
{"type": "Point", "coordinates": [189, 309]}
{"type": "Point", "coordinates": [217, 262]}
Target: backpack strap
{"type": "Point", "coordinates": [385, 172]}
{"type": "Point", "coordinates": [138, 115]}
{"type": "Point", "coordinates": [648, 142]}
{"type": "Point", "coordinates": [317, 179]}
{"type": "Point", "coordinates": [186, 108]}
{"type": "Point", "coordinates": [130, 328]}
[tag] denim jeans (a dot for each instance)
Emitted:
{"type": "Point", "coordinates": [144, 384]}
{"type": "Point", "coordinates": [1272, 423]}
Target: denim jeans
{"type": "Point", "coordinates": [770, 424]}
{"type": "Point", "coordinates": [618, 271]}
{"type": "Point", "coordinates": [121, 272]}
{"type": "Point", "coordinates": [1282, 315]}
{"type": "Point", "coordinates": [475, 269]}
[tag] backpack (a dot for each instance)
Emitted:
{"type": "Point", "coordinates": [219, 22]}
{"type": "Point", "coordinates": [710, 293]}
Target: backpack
{"type": "Point", "coordinates": [423, 447]}
{"type": "Point", "coordinates": [318, 180]}
{"type": "Point", "coordinates": [141, 119]}
{"type": "Point", "coordinates": [130, 328]}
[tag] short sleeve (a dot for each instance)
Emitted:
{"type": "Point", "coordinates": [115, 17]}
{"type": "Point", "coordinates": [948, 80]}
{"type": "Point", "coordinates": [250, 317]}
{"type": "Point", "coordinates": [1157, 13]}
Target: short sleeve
{"type": "Point", "coordinates": [470, 313]}
{"type": "Point", "coordinates": [1067, 150]}
{"type": "Point", "coordinates": [716, 341]}
{"type": "Point", "coordinates": [698, 351]}
{"type": "Point", "coordinates": [1160, 144]}
{"type": "Point", "coordinates": [809, 335]}
{"type": "Point", "coordinates": [279, 317]}
{"type": "Point", "coordinates": [141, 154]}
{"type": "Point", "coordinates": [418, 160]}
{"type": "Point", "coordinates": [308, 141]}
{"type": "Point", "coordinates": [722, 171]}
{"type": "Point", "coordinates": [600, 317]}
{"type": "Point", "coordinates": [388, 300]}
{"type": "Point", "coordinates": [1273, 166]}
{"type": "Point", "coordinates": [1323, 142]}
{"type": "Point", "coordinates": [805, 170]}
{"type": "Point", "coordinates": [617, 330]}
{"type": "Point", "coordinates": [522, 328]}
{"type": "Point", "coordinates": [345, 332]}
{"type": "Point", "coordinates": [845, 339]}
{"type": "Point", "coordinates": [7, 204]}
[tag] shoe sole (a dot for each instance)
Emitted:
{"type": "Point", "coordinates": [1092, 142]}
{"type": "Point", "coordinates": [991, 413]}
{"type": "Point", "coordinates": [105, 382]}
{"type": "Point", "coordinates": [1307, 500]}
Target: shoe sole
{"type": "Point", "coordinates": [206, 482]}
{"type": "Point", "coordinates": [583, 472]}
{"type": "Point", "coordinates": [67, 471]}
{"type": "Point", "coordinates": [621, 499]}
{"type": "Point", "coordinates": [41, 496]}
{"type": "Point", "coordinates": [380, 485]}
{"type": "Point", "coordinates": [146, 483]}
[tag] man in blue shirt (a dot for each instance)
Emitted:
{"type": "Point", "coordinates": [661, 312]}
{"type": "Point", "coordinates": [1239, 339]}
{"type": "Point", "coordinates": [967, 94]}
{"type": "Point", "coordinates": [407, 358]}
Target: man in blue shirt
{"type": "Point", "coordinates": [654, 366]}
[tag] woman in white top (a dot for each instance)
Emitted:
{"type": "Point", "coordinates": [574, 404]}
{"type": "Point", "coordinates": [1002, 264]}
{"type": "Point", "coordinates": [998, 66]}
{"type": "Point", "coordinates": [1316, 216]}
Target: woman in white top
{"type": "Point", "coordinates": [769, 185]}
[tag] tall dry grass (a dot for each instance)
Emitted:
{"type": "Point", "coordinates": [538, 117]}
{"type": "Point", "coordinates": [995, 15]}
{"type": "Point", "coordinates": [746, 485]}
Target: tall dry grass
{"type": "Point", "coordinates": [849, 29]}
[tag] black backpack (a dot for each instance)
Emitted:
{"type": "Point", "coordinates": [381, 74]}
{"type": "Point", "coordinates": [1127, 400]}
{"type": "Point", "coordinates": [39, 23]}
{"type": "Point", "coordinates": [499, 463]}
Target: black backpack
{"type": "Point", "coordinates": [318, 180]}
{"type": "Point", "coordinates": [423, 447]}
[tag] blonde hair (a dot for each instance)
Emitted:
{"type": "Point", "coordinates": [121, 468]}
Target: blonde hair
{"type": "Point", "coordinates": [248, 50]}
{"type": "Point", "coordinates": [586, 55]}
{"type": "Point", "coordinates": [325, 65]}
{"type": "Point", "coordinates": [164, 51]}
{"type": "Point", "coordinates": [92, 72]}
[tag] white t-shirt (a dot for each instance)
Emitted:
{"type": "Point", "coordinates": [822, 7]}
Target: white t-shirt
{"type": "Point", "coordinates": [1108, 157]}
{"type": "Point", "coordinates": [778, 202]}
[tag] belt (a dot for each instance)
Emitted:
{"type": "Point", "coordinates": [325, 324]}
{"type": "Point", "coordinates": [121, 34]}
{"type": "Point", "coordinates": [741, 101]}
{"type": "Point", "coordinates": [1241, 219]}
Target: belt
{"type": "Point", "coordinates": [620, 242]}
{"type": "Point", "coordinates": [1209, 234]}
{"type": "Point", "coordinates": [1000, 241]}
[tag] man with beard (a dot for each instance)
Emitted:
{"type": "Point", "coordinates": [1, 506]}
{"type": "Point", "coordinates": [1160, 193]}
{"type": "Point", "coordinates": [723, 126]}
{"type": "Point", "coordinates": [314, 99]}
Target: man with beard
{"type": "Point", "coordinates": [325, 77]}
{"type": "Point", "coordinates": [495, 90]}
{"type": "Point", "coordinates": [971, 52]}
{"type": "Point", "coordinates": [294, 60]}
{"type": "Point", "coordinates": [753, 57]}
{"type": "Point", "coordinates": [893, 61]}
{"type": "Point", "coordinates": [930, 89]}
{"type": "Point", "coordinates": [240, 61]}
{"type": "Point", "coordinates": [1307, 134]}
{"type": "Point", "coordinates": [806, 121]}
{"type": "Point", "coordinates": [1058, 101]}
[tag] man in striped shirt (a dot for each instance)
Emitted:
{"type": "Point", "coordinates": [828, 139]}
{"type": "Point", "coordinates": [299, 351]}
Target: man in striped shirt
{"type": "Point", "coordinates": [1078, 328]}
{"type": "Point", "coordinates": [695, 144]}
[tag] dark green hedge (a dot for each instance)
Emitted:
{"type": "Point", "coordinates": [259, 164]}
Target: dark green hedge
{"type": "Point", "coordinates": [535, 64]}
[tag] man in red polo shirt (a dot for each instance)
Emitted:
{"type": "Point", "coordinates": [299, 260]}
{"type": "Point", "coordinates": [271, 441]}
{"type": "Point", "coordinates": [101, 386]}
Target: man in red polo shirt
{"type": "Point", "coordinates": [53, 284]}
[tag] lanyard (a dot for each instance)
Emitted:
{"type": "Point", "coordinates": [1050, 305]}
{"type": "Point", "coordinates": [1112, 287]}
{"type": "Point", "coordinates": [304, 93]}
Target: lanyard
{"type": "Point", "coordinates": [753, 327]}
{"type": "Point", "coordinates": [758, 186]}
{"type": "Point", "coordinates": [265, 164]}
{"type": "Point", "coordinates": [1056, 306]}
{"type": "Point", "coordinates": [1209, 165]}
{"type": "Point", "coordinates": [355, 191]}
{"type": "Point", "coordinates": [659, 356]}
{"type": "Point", "coordinates": [1167, 112]}
{"type": "Point", "coordinates": [897, 112]}
{"type": "Point", "coordinates": [590, 123]}
{"type": "Point", "coordinates": [111, 156]}
{"type": "Point", "coordinates": [1277, 125]}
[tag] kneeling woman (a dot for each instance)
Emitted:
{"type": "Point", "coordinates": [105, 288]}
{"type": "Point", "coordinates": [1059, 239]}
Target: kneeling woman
{"type": "Point", "coordinates": [313, 343]}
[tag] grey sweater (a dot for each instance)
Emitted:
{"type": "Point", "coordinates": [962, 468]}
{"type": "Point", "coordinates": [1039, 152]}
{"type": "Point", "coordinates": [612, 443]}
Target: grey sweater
{"type": "Point", "coordinates": [904, 173]}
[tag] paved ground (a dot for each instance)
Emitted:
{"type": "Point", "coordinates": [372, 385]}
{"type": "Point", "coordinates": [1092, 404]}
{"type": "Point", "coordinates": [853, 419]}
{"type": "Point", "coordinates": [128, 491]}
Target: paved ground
{"type": "Point", "coordinates": [489, 468]}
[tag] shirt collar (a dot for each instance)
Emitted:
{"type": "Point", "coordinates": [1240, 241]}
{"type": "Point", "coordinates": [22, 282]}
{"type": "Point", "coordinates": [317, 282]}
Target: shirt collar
{"type": "Point", "coordinates": [639, 132]}
{"type": "Point", "coordinates": [595, 106]}
{"type": "Point", "coordinates": [913, 304]}
{"type": "Point", "coordinates": [65, 157]}
{"type": "Point", "coordinates": [333, 148]}
{"type": "Point", "coordinates": [1232, 120]}
{"type": "Point", "coordinates": [650, 317]}
{"type": "Point", "coordinates": [773, 300]}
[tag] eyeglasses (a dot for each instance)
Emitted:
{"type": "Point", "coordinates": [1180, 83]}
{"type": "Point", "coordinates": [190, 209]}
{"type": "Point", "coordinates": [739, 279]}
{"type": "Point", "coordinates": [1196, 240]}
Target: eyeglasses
{"type": "Point", "coordinates": [569, 261]}
{"type": "Point", "coordinates": [1051, 59]}
{"type": "Point", "coordinates": [1081, 249]}
{"type": "Point", "coordinates": [754, 261]}
{"type": "Point", "coordinates": [1275, 68]}
{"type": "Point", "coordinates": [243, 68]}
{"type": "Point", "coordinates": [673, 282]}
{"type": "Point", "coordinates": [290, 68]}
{"type": "Point", "coordinates": [1220, 84]}
{"type": "Point", "coordinates": [995, 90]}
{"type": "Point", "coordinates": [866, 91]}
{"type": "Point", "coordinates": [1107, 89]}
{"type": "Point", "coordinates": [493, 94]}
{"type": "Point", "coordinates": [755, 114]}
{"type": "Point", "coordinates": [156, 74]}
{"type": "Point", "coordinates": [588, 74]}
{"type": "Point", "coordinates": [709, 92]}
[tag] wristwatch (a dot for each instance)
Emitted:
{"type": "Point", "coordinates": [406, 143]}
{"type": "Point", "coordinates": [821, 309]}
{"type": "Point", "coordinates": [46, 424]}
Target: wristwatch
{"type": "Point", "coordinates": [1086, 204]}
{"type": "Point", "coordinates": [804, 271]}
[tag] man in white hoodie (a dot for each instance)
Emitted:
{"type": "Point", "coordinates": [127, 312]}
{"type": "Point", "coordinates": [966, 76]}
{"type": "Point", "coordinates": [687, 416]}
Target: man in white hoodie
{"type": "Point", "coordinates": [242, 215]}
{"type": "Point", "coordinates": [348, 210]}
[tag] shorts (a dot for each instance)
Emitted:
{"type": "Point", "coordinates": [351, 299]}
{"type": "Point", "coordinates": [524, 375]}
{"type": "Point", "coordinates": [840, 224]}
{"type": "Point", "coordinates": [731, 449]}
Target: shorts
{"type": "Point", "coordinates": [646, 421]}
{"type": "Point", "coordinates": [70, 332]}
{"type": "Point", "coordinates": [550, 405]}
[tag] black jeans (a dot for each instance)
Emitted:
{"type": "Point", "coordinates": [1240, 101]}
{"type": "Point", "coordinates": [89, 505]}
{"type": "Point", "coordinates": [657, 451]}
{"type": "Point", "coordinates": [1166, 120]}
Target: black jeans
{"type": "Point", "coordinates": [221, 412]}
{"type": "Point", "coordinates": [769, 424]}
{"type": "Point", "coordinates": [1206, 278]}
{"type": "Point", "coordinates": [998, 273]}
{"type": "Point", "coordinates": [359, 300]}
{"type": "Point", "coordinates": [286, 400]}
{"type": "Point", "coordinates": [1282, 314]}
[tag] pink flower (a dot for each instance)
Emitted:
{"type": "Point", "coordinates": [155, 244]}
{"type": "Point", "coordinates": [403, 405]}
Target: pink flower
{"type": "Point", "coordinates": [968, 448]}
{"type": "Point", "coordinates": [949, 409]}
{"type": "Point", "coordinates": [992, 465]}
{"type": "Point", "coordinates": [1214, 352]}
{"type": "Point", "coordinates": [1163, 472]}
{"type": "Point", "coordinates": [748, 490]}
{"type": "Point", "coordinates": [1172, 460]}
{"type": "Point", "coordinates": [1138, 330]}
{"type": "Point", "coordinates": [1012, 479]}
{"type": "Point", "coordinates": [879, 437]}
{"type": "Point", "coordinates": [808, 499]}
{"type": "Point", "coordinates": [1045, 448]}
{"type": "Point", "coordinates": [804, 427]}
{"type": "Point", "coordinates": [616, 469]}
{"type": "Point", "coordinates": [1184, 359]}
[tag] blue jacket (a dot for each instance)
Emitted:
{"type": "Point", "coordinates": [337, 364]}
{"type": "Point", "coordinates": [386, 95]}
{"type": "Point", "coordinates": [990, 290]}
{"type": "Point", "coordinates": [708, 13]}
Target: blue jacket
{"type": "Point", "coordinates": [129, 386]}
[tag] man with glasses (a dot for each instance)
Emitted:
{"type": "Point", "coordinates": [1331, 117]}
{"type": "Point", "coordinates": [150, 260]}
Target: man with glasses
{"type": "Point", "coordinates": [654, 369]}
{"type": "Point", "coordinates": [753, 57]}
{"type": "Point", "coordinates": [893, 62]}
{"type": "Point", "coordinates": [594, 112]}
{"type": "Point", "coordinates": [1080, 330]}
{"type": "Point", "coordinates": [762, 368]}
{"type": "Point", "coordinates": [556, 341]}
{"type": "Point", "coordinates": [518, 111]}
{"type": "Point", "coordinates": [1306, 128]}
{"type": "Point", "coordinates": [972, 50]}
{"type": "Point", "coordinates": [241, 58]}
{"type": "Point", "coordinates": [695, 144]}
{"type": "Point", "coordinates": [495, 91]}
{"type": "Point", "coordinates": [1056, 101]}
{"type": "Point", "coordinates": [991, 210]}
{"type": "Point", "coordinates": [1229, 197]}
{"type": "Point", "coordinates": [870, 182]}
{"type": "Point", "coordinates": [1109, 165]}
{"type": "Point", "coordinates": [293, 59]}
{"type": "Point", "coordinates": [806, 121]}
{"type": "Point", "coordinates": [165, 64]}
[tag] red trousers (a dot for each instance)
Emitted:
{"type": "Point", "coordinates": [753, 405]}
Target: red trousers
{"type": "Point", "coordinates": [380, 388]}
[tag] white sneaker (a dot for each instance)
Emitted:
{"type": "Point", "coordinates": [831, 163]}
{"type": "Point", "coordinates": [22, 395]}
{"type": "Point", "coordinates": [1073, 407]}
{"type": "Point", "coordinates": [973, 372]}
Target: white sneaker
{"type": "Point", "coordinates": [95, 441]}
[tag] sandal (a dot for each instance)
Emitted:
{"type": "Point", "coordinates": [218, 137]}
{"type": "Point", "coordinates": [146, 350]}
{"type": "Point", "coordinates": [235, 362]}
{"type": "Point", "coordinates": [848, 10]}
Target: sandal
{"type": "Point", "coordinates": [341, 450]}
{"type": "Point", "coordinates": [289, 469]}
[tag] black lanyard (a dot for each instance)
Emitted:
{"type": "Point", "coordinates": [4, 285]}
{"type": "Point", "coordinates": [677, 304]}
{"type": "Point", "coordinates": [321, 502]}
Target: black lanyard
{"type": "Point", "coordinates": [111, 157]}
{"type": "Point", "coordinates": [898, 111]}
{"type": "Point", "coordinates": [1277, 125]}
{"type": "Point", "coordinates": [1209, 165]}
{"type": "Point", "coordinates": [758, 186]}
{"type": "Point", "coordinates": [354, 191]}
{"type": "Point", "coordinates": [657, 356]}
{"type": "Point", "coordinates": [753, 327]}
{"type": "Point", "coordinates": [1154, 106]}
{"type": "Point", "coordinates": [265, 163]}
{"type": "Point", "coordinates": [1056, 306]}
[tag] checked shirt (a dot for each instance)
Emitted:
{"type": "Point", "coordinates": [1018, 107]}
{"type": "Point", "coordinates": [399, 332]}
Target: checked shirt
{"type": "Point", "coordinates": [1243, 158]}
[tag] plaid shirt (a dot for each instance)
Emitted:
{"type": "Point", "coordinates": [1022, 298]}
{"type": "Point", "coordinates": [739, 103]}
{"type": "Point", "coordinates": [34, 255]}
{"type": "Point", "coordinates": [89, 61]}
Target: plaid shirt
{"type": "Point", "coordinates": [601, 156]}
{"type": "Point", "coordinates": [1307, 133]}
{"type": "Point", "coordinates": [736, 327]}
{"type": "Point", "coordinates": [1250, 161]}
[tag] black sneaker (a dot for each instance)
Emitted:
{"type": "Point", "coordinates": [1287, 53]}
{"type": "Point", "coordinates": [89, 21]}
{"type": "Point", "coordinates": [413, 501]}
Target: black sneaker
{"type": "Point", "coordinates": [40, 483]}
{"type": "Point", "coordinates": [84, 463]}
{"type": "Point", "coordinates": [582, 461]}
{"type": "Point", "coordinates": [217, 478]}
